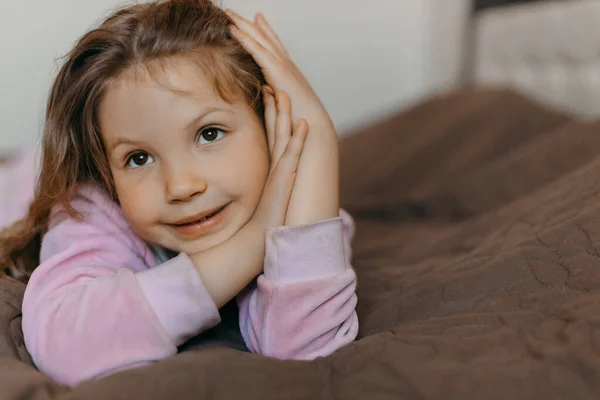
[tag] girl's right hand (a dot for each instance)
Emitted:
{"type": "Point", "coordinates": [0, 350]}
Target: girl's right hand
{"type": "Point", "coordinates": [228, 268]}
{"type": "Point", "coordinates": [286, 143]}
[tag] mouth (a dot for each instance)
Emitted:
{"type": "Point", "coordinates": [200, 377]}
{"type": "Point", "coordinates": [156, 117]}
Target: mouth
{"type": "Point", "coordinates": [199, 218]}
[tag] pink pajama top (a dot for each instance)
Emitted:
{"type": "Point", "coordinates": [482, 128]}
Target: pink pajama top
{"type": "Point", "coordinates": [102, 301]}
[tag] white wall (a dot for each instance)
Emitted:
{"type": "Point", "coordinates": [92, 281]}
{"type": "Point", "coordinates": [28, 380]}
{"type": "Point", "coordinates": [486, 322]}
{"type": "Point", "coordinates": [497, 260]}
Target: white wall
{"type": "Point", "coordinates": [33, 35]}
{"type": "Point", "coordinates": [446, 51]}
{"type": "Point", "coordinates": [364, 58]}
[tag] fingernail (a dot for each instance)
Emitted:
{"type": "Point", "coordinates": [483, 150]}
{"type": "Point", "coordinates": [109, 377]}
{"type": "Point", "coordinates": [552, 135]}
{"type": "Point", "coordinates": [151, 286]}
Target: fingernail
{"type": "Point", "coordinates": [229, 12]}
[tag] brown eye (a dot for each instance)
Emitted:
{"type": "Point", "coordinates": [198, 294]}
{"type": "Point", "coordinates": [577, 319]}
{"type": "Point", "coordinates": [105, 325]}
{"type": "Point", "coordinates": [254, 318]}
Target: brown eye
{"type": "Point", "coordinates": [138, 159]}
{"type": "Point", "coordinates": [209, 135]}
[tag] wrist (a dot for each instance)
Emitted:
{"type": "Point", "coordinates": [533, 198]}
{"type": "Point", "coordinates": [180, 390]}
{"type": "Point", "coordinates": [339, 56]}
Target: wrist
{"type": "Point", "coordinates": [315, 196]}
{"type": "Point", "coordinates": [229, 267]}
{"type": "Point", "coordinates": [246, 243]}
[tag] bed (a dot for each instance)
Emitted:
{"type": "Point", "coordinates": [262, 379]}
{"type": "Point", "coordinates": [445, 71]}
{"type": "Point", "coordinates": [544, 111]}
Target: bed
{"type": "Point", "coordinates": [477, 251]}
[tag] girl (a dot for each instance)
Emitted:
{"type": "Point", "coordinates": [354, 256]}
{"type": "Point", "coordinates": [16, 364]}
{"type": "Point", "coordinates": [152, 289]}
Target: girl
{"type": "Point", "coordinates": [171, 182]}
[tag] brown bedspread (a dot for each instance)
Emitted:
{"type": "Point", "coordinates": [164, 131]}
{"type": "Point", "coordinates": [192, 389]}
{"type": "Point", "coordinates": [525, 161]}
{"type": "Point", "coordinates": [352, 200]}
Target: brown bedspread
{"type": "Point", "coordinates": [478, 255]}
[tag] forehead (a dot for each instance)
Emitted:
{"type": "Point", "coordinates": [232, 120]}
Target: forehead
{"type": "Point", "coordinates": [178, 77]}
{"type": "Point", "coordinates": [160, 94]}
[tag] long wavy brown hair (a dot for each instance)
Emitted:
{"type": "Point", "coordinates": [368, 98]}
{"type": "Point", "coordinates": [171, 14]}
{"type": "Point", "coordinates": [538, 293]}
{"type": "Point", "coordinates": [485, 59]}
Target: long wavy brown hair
{"type": "Point", "coordinates": [72, 148]}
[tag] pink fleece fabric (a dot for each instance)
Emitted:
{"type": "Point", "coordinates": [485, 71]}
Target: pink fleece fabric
{"type": "Point", "coordinates": [99, 303]}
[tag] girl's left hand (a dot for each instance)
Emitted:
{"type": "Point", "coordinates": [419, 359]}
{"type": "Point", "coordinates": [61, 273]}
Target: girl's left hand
{"type": "Point", "coordinates": [261, 41]}
{"type": "Point", "coordinates": [316, 191]}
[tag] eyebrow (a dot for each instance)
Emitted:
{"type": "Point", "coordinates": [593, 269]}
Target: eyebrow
{"type": "Point", "coordinates": [205, 112]}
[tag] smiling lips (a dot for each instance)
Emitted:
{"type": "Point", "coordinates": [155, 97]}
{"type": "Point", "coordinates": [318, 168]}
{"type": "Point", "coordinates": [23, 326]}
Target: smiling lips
{"type": "Point", "coordinates": [202, 223]}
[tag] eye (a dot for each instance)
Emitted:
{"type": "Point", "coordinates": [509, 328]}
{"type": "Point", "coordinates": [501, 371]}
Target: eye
{"type": "Point", "coordinates": [210, 134]}
{"type": "Point", "coordinates": [138, 159]}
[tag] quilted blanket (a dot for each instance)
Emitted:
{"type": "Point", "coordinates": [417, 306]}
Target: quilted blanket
{"type": "Point", "coordinates": [478, 257]}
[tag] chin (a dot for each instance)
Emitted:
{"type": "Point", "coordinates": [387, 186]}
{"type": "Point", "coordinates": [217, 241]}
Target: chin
{"type": "Point", "coordinates": [203, 244]}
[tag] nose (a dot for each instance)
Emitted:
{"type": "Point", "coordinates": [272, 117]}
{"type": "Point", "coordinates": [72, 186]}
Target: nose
{"type": "Point", "coordinates": [183, 182]}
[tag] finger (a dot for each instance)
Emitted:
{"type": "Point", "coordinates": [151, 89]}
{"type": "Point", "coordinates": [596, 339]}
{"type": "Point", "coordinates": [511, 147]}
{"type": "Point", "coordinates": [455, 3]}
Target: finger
{"type": "Point", "coordinates": [295, 145]}
{"type": "Point", "coordinates": [281, 182]}
{"type": "Point", "coordinates": [300, 132]}
{"type": "Point", "coordinates": [270, 117]}
{"type": "Point", "coordinates": [290, 159]}
{"type": "Point", "coordinates": [283, 125]}
{"type": "Point", "coordinates": [253, 31]}
{"type": "Point", "coordinates": [263, 57]}
{"type": "Point", "coordinates": [269, 32]}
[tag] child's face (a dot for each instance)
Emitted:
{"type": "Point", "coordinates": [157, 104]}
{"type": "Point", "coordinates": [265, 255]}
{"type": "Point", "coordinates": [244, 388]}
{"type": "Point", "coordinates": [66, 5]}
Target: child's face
{"type": "Point", "coordinates": [178, 155]}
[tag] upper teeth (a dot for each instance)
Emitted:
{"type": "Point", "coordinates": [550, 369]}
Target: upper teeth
{"type": "Point", "coordinates": [203, 218]}
{"type": "Point", "coordinates": [207, 216]}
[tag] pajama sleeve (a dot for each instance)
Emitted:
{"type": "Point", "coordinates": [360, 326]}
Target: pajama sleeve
{"type": "Point", "coordinates": [303, 305]}
{"type": "Point", "coordinates": [97, 304]}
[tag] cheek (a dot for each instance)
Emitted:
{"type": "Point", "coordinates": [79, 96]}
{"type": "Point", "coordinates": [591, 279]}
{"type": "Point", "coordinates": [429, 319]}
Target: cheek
{"type": "Point", "coordinates": [135, 201]}
{"type": "Point", "coordinates": [250, 171]}
{"type": "Point", "coordinates": [259, 165]}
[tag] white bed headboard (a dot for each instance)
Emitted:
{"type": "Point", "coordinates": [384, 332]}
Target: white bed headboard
{"type": "Point", "coordinates": [550, 50]}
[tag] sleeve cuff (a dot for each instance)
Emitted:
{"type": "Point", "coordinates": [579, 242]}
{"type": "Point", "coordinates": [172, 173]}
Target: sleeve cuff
{"type": "Point", "coordinates": [306, 252]}
{"type": "Point", "coordinates": [179, 299]}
